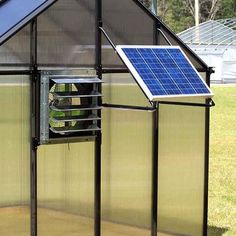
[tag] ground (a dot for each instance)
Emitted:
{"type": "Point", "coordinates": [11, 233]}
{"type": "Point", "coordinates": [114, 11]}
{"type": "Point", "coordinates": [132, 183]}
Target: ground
{"type": "Point", "coordinates": [222, 184]}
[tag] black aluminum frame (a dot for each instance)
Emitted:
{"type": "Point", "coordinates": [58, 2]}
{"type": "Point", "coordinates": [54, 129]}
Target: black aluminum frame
{"type": "Point", "coordinates": [34, 126]}
{"type": "Point", "coordinates": [34, 73]}
{"type": "Point", "coordinates": [98, 142]}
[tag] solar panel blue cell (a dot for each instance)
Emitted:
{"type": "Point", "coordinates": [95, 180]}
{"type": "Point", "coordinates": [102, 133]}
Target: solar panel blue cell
{"type": "Point", "coordinates": [163, 71]}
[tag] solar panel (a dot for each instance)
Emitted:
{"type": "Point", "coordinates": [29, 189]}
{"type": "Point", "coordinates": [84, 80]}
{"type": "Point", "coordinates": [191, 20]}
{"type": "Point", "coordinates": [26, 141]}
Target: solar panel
{"type": "Point", "coordinates": [163, 72]}
{"type": "Point", "coordinates": [14, 14]}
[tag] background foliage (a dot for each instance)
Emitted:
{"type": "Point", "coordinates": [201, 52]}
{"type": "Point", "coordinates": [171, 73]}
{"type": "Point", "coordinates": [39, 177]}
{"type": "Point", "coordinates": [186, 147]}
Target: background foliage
{"type": "Point", "coordinates": [179, 14]}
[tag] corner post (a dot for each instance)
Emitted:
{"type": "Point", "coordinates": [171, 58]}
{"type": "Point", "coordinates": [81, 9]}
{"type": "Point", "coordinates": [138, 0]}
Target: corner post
{"type": "Point", "coordinates": [206, 158]}
{"type": "Point", "coordinates": [34, 124]}
{"type": "Point", "coordinates": [98, 141]}
{"type": "Point", "coordinates": [154, 201]}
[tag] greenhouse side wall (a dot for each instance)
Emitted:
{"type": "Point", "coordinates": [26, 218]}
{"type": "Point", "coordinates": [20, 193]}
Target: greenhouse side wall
{"type": "Point", "coordinates": [15, 155]}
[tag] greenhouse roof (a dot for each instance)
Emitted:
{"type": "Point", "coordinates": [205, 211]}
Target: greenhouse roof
{"type": "Point", "coordinates": [212, 34]}
{"type": "Point", "coordinates": [14, 15]}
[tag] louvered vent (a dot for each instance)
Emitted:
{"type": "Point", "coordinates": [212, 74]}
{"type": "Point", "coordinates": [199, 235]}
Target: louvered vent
{"type": "Point", "coordinates": [69, 107]}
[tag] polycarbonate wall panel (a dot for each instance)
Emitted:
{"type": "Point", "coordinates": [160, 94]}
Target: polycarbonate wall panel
{"type": "Point", "coordinates": [122, 89]}
{"type": "Point", "coordinates": [66, 34]}
{"type": "Point", "coordinates": [126, 24]}
{"type": "Point", "coordinates": [66, 189]}
{"type": "Point", "coordinates": [126, 165]}
{"type": "Point", "coordinates": [181, 169]}
{"type": "Point", "coordinates": [15, 156]}
{"type": "Point", "coordinates": [16, 51]}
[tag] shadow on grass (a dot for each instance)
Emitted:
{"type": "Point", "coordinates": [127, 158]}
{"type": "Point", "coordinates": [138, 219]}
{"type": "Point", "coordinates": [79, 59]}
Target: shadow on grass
{"type": "Point", "coordinates": [216, 231]}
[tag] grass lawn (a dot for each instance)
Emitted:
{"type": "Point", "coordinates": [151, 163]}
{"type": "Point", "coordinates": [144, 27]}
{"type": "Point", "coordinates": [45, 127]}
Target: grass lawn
{"type": "Point", "coordinates": [222, 185]}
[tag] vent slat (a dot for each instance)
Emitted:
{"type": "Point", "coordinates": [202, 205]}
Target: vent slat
{"type": "Point", "coordinates": [75, 118]}
{"type": "Point", "coordinates": [75, 108]}
{"type": "Point", "coordinates": [75, 94]}
{"type": "Point", "coordinates": [75, 80]}
{"type": "Point", "coordinates": [62, 130]}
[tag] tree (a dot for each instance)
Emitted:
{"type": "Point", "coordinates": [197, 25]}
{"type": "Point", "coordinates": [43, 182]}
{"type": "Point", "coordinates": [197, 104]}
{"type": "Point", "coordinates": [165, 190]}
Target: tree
{"type": "Point", "coordinates": [163, 8]}
{"type": "Point", "coordinates": [146, 3]}
{"type": "Point", "coordinates": [227, 9]}
{"type": "Point", "coordinates": [207, 9]}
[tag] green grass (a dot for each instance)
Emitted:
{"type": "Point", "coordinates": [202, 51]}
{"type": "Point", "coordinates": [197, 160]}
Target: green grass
{"type": "Point", "coordinates": [222, 182]}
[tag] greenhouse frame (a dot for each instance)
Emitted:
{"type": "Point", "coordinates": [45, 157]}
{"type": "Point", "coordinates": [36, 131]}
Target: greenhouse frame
{"type": "Point", "coordinates": [139, 167]}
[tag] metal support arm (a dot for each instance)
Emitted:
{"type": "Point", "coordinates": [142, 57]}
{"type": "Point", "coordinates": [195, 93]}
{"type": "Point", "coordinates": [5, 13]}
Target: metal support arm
{"type": "Point", "coordinates": [209, 103]}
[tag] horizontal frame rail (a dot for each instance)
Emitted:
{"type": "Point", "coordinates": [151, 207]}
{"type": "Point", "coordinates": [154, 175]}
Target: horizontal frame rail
{"type": "Point", "coordinates": [114, 70]}
{"type": "Point", "coordinates": [128, 107]}
{"type": "Point", "coordinates": [16, 72]}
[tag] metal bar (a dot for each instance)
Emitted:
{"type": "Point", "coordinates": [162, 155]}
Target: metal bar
{"type": "Point", "coordinates": [206, 161]}
{"type": "Point", "coordinates": [15, 72]}
{"type": "Point", "coordinates": [209, 103]}
{"type": "Point", "coordinates": [98, 37]}
{"type": "Point", "coordinates": [114, 70]}
{"type": "Point", "coordinates": [34, 144]}
{"type": "Point", "coordinates": [70, 140]}
{"type": "Point", "coordinates": [128, 107]}
{"type": "Point", "coordinates": [200, 70]}
{"type": "Point", "coordinates": [166, 39]}
{"type": "Point", "coordinates": [98, 141]}
{"type": "Point", "coordinates": [155, 34]}
{"type": "Point", "coordinates": [108, 38]}
{"type": "Point", "coordinates": [154, 203]}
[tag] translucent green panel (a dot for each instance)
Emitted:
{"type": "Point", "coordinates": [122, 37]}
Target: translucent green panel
{"type": "Point", "coordinates": [14, 157]}
{"type": "Point", "coordinates": [62, 43]}
{"type": "Point", "coordinates": [122, 89]}
{"type": "Point", "coordinates": [126, 171]}
{"type": "Point", "coordinates": [16, 51]}
{"type": "Point", "coordinates": [181, 169]}
{"type": "Point", "coordinates": [66, 189]}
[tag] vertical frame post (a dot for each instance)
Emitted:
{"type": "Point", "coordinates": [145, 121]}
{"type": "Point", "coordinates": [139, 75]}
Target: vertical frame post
{"type": "Point", "coordinates": [154, 205]}
{"type": "Point", "coordinates": [156, 32]}
{"type": "Point", "coordinates": [98, 141]}
{"type": "Point", "coordinates": [206, 160]}
{"type": "Point", "coordinates": [34, 124]}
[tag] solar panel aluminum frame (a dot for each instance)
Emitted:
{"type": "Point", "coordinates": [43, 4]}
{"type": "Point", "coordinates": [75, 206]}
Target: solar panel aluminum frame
{"type": "Point", "coordinates": [143, 86]}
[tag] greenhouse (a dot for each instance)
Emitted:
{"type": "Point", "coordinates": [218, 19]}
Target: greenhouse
{"type": "Point", "coordinates": [215, 42]}
{"type": "Point", "coordinates": [90, 144]}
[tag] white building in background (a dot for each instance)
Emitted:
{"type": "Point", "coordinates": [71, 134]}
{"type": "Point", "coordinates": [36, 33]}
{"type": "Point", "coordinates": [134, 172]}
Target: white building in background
{"type": "Point", "coordinates": [215, 42]}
